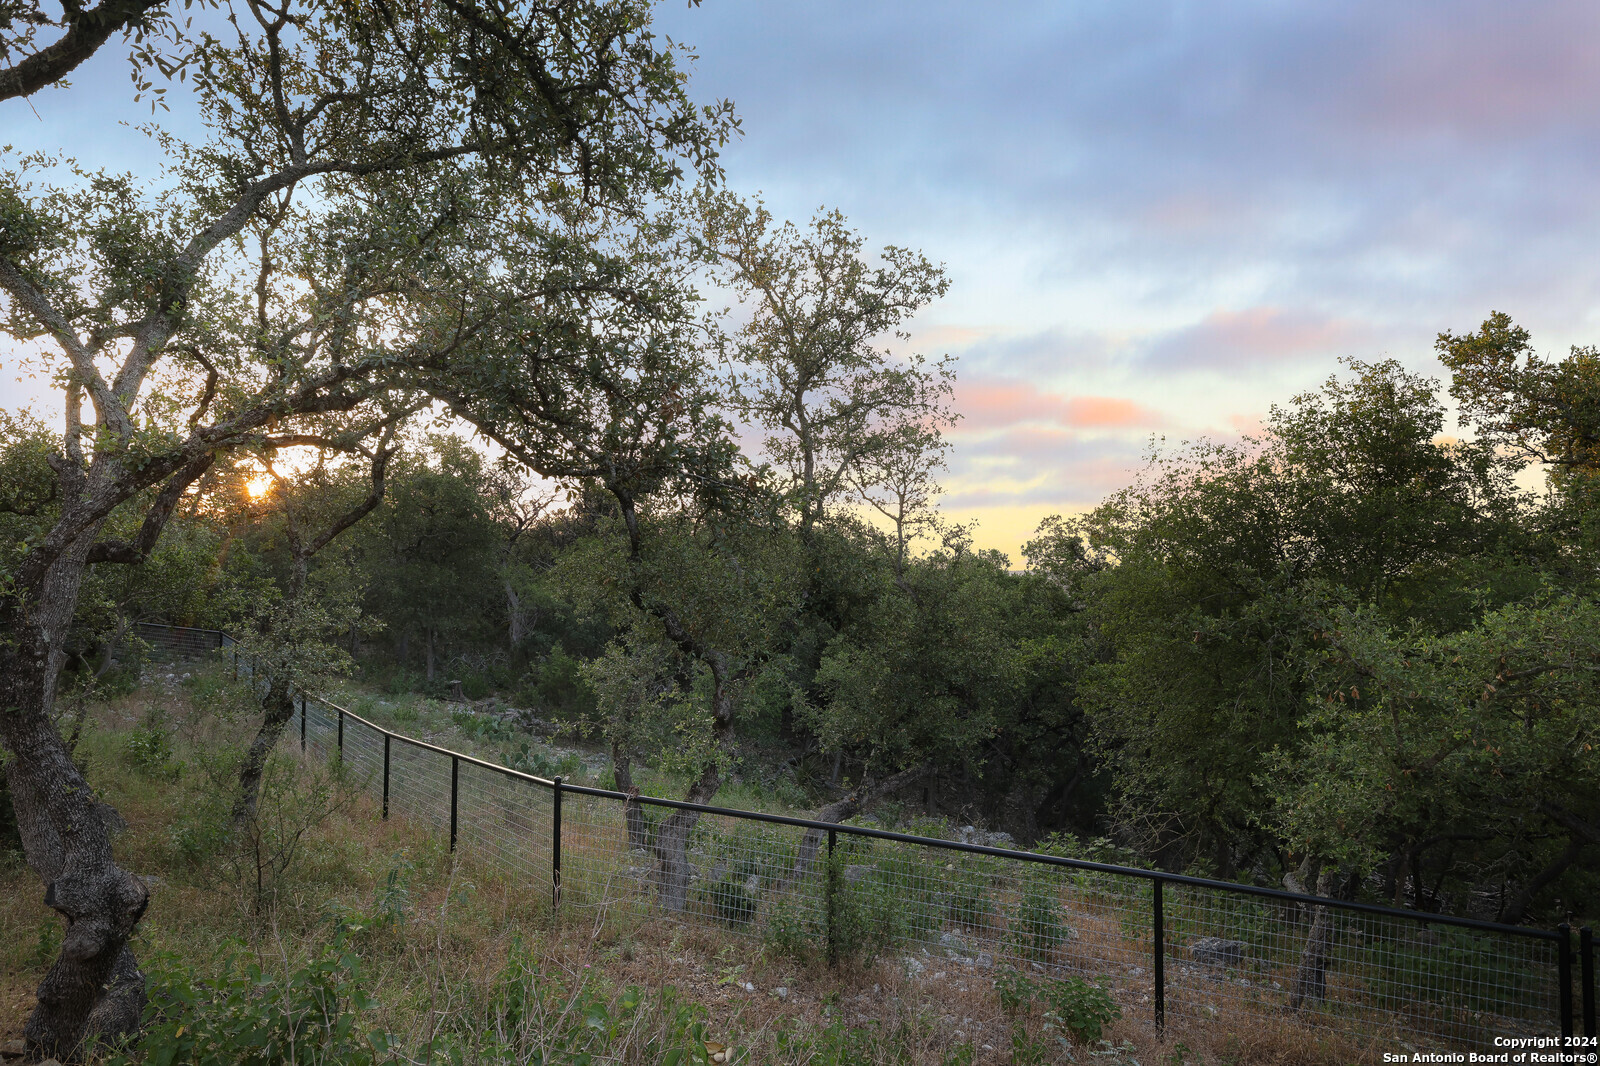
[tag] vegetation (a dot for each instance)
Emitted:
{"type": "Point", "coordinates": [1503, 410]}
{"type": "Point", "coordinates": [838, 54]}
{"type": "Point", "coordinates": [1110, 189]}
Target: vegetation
{"type": "Point", "coordinates": [1349, 655]}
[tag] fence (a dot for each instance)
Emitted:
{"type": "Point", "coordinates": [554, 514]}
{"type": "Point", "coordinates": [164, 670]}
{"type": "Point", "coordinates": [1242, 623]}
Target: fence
{"type": "Point", "coordinates": [178, 641]}
{"type": "Point", "coordinates": [1182, 947]}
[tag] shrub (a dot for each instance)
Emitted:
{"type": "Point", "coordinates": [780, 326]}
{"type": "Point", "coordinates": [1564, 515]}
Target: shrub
{"type": "Point", "coordinates": [1076, 1011]}
{"type": "Point", "coordinates": [968, 900]}
{"type": "Point", "coordinates": [149, 748]}
{"type": "Point", "coordinates": [316, 1015]}
{"type": "Point", "coordinates": [1081, 1008]}
{"type": "Point", "coordinates": [250, 1017]}
{"type": "Point", "coordinates": [731, 900]}
{"type": "Point", "coordinates": [793, 929]}
{"type": "Point", "coordinates": [1036, 928]}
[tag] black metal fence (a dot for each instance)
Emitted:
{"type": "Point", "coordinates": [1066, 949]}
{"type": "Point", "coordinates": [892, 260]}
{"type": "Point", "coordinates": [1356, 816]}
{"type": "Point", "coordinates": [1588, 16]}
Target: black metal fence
{"type": "Point", "coordinates": [180, 641]}
{"type": "Point", "coordinates": [958, 914]}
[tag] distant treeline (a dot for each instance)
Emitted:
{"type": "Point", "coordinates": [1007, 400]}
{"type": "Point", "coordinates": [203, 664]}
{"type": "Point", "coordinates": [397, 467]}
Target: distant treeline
{"type": "Point", "coordinates": [1347, 653]}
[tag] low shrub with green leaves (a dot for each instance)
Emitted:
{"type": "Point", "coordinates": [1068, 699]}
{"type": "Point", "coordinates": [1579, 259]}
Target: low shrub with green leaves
{"type": "Point", "coordinates": [731, 901]}
{"type": "Point", "coordinates": [1075, 1013]}
{"type": "Point", "coordinates": [248, 1016]}
{"type": "Point", "coordinates": [1037, 929]}
{"type": "Point", "coordinates": [320, 1014]}
{"type": "Point", "coordinates": [149, 751]}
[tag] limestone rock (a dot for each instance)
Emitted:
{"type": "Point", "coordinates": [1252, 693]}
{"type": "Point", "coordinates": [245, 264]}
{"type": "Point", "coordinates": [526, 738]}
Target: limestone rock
{"type": "Point", "coordinates": [1215, 951]}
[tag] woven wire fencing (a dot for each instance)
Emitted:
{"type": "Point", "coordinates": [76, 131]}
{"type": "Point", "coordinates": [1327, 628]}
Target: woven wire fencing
{"type": "Point", "coordinates": [1228, 954]}
{"type": "Point", "coordinates": [1185, 949]}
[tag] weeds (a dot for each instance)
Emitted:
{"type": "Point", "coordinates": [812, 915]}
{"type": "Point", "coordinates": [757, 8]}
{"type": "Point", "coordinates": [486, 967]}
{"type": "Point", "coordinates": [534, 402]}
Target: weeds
{"type": "Point", "coordinates": [1036, 928]}
{"type": "Point", "coordinates": [1075, 1013]}
{"type": "Point", "coordinates": [148, 749]}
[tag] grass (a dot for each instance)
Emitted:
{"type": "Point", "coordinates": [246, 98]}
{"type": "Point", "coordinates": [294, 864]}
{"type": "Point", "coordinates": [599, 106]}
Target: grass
{"type": "Point", "coordinates": [439, 939]}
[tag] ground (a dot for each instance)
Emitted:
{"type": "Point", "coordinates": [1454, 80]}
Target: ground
{"type": "Point", "coordinates": [434, 932]}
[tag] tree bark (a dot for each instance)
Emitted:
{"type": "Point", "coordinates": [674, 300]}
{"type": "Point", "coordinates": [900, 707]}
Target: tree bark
{"type": "Point", "coordinates": [1515, 909]}
{"type": "Point", "coordinates": [94, 988]}
{"type": "Point", "coordinates": [673, 869]}
{"type": "Point", "coordinates": [516, 615]}
{"type": "Point", "coordinates": [849, 807]}
{"type": "Point", "coordinates": [277, 710]}
{"type": "Point", "coordinates": [632, 812]}
{"type": "Point", "coordinates": [1311, 975]}
{"type": "Point", "coordinates": [108, 653]}
{"type": "Point", "coordinates": [86, 32]}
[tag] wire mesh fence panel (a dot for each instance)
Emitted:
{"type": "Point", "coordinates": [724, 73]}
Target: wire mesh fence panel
{"type": "Point", "coordinates": [604, 863]}
{"type": "Point", "coordinates": [1374, 976]}
{"type": "Point", "coordinates": [740, 875]}
{"type": "Point", "coordinates": [506, 821]}
{"type": "Point", "coordinates": [363, 756]}
{"type": "Point", "coordinates": [321, 729]}
{"type": "Point", "coordinates": [179, 642]}
{"type": "Point", "coordinates": [419, 784]}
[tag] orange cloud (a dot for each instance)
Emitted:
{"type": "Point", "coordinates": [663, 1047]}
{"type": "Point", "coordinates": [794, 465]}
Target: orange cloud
{"type": "Point", "coordinates": [987, 404]}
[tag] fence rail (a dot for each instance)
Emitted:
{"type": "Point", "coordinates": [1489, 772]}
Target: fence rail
{"type": "Point", "coordinates": [1210, 952]}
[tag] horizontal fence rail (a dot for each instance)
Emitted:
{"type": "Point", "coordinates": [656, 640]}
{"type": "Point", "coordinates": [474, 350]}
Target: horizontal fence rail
{"type": "Point", "coordinates": [1177, 946]}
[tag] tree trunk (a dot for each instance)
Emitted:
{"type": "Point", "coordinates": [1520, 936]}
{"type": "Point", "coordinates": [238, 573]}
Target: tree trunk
{"type": "Point", "coordinates": [94, 988]}
{"type": "Point", "coordinates": [849, 807]}
{"type": "Point", "coordinates": [108, 653]}
{"type": "Point", "coordinates": [277, 709]}
{"type": "Point", "coordinates": [430, 653]}
{"type": "Point", "coordinates": [673, 869]}
{"type": "Point", "coordinates": [1311, 975]}
{"type": "Point", "coordinates": [514, 613]}
{"type": "Point", "coordinates": [1515, 909]}
{"type": "Point", "coordinates": [632, 812]}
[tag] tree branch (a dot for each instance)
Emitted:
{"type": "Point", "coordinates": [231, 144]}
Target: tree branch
{"type": "Point", "coordinates": [86, 32]}
{"type": "Point", "coordinates": [155, 520]}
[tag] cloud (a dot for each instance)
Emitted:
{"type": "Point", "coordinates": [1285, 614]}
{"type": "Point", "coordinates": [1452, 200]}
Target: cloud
{"type": "Point", "coordinates": [1239, 339]}
{"type": "Point", "coordinates": [1042, 466]}
{"type": "Point", "coordinates": [994, 403]}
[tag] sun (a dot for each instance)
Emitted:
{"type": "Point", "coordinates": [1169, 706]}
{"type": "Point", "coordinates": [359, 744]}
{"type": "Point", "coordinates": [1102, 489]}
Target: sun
{"type": "Point", "coordinates": [258, 486]}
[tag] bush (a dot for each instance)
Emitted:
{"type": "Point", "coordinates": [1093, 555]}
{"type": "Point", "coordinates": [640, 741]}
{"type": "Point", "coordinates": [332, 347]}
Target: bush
{"type": "Point", "coordinates": [1081, 1008]}
{"type": "Point", "coordinates": [249, 1017]}
{"type": "Point", "coordinates": [148, 749]}
{"type": "Point", "coordinates": [316, 1015]}
{"type": "Point", "coordinates": [968, 899]}
{"type": "Point", "coordinates": [793, 930]}
{"type": "Point", "coordinates": [1036, 928]}
{"type": "Point", "coordinates": [1076, 1011]}
{"type": "Point", "coordinates": [561, 689]}
{"type": "Point", "coordinates": [731, 900]}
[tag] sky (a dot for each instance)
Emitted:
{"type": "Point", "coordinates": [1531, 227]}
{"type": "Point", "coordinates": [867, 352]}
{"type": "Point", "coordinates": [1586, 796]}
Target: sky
{"type": "Point", "coordinates": [1158, 218]}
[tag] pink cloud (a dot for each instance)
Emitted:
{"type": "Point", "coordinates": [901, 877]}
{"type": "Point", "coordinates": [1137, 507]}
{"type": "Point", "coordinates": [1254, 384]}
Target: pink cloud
{"type": "Point", "coordinates": [1254, 335]}
{"type": "Point", "coordinates": [993, 403]}
{"type": "Point", "coordinates": [1481, 70]}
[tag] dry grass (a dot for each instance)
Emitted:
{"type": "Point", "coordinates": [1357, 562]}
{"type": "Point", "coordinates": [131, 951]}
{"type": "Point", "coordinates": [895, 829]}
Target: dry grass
{"type": "Point", "coordinates": [438, 967]}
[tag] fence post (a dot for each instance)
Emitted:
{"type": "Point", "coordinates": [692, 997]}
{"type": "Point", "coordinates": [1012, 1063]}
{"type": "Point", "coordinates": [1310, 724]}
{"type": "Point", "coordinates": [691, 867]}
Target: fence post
{"type": "Point", "coordinates": [455, 789]}
{"type": "Point", "coordinates": [830, 899]}
{"type": "Point", "coordinates": [1159, 936]}
{"type": "Point", "coordinates": [302, 725]}
{"type": "Point", "coordinates": [1586, 971]}
{"type": "Point", "coordinates": [341, 731]}
{"type": "Point", "coordinates": [1564, 976]}
{"type": "Point", "coordinates": [555, 849]}
{"type": "Point", "coordinates": [386, 739]}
